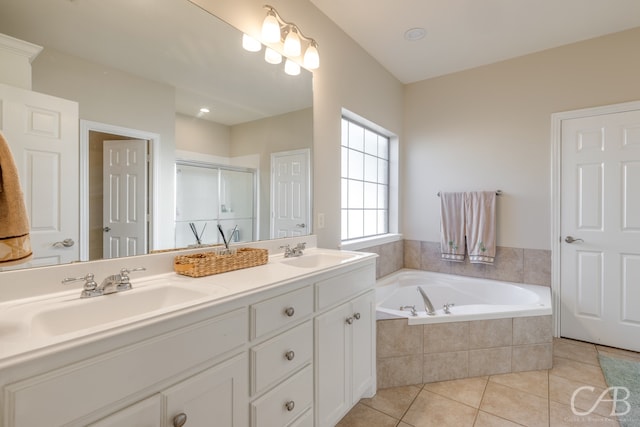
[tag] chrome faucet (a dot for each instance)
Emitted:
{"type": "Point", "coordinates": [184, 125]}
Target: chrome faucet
{"type": "Point", "coordinates": [111, 284]}
{"type": "Point", "coordinates": [428, 307]}
{"type": "Point", "coordinates": [297, 251]}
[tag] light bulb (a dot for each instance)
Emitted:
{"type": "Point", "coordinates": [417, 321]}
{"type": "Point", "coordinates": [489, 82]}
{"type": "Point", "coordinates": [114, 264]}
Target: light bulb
{"type": "Point", "coordinates": [291, 68]}
{"type": "Point", "coordinates": [292, 43]}
{"type": "Point", "coordinates": [251, 44]}
{"type": "Point", "coordinates": [311, 57]}
{"type": "Point", "coordinates": [271, 56]}
{"type": "Point", "coordinates": [270, 29]}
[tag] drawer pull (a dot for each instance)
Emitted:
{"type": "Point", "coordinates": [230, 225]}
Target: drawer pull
{"type": "Point", "coordinates": [290, 405]}
{"type": "Point", "coordinates": [357, 316]}
{"type": "Point", "coordinates": [289, 311]}
{"type": "Point", "coordinates": [289, 355]}
{"type": "Point", "coordinates": [349, 320]}
{"type": "Point", "coordinates": [180, 420]}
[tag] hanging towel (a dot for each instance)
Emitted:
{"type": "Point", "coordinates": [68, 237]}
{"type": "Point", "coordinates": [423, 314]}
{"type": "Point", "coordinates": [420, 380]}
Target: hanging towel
{"type": "Point", "coordinates": [481, 226]}
{"type": "Point", "coordinates": [452, 226]}
{"type": "Point", "coordinates": [15, 245]}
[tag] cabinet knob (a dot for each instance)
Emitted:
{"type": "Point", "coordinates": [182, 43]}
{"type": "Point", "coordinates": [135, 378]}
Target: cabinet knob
{"type": "Point", "coordinates": [290, 405]}
{"type": "Point", "coordinates": [356, 315]}
{"type": "Point", "coordinates": [289, 311]}
{"type": "Point", "coordinates": [349, 320]}
{"type": "Point", "coordinates": [180, 420]}
{"type": "Point", "coordinates": [289, 355]}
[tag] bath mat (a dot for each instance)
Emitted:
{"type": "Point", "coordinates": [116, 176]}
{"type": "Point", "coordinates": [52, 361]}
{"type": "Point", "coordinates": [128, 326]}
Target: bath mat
{"type": "Point", "coordinates": [624, 373]}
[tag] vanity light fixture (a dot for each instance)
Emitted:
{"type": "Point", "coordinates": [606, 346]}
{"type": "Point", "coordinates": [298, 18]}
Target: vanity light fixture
{"type": "Point", "coordinates": [291, 68]}
{"type": "Point", "coordinates": [272, 57]}
{"type": "Point", "coordinates": [277, 30]}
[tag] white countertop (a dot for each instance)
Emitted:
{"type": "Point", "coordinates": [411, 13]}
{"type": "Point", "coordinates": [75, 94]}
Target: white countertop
{"type": "Point", "coordinates": [24, 335]}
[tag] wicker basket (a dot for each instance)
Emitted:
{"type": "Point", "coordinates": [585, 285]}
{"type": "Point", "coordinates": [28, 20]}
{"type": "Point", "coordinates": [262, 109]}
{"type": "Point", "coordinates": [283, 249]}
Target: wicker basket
{"type": "Point", "coordinates": [208, 263]}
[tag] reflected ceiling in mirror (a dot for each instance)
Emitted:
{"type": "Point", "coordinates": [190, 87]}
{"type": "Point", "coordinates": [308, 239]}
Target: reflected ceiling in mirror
{"type": "Point", "coordinates": [168, 41]}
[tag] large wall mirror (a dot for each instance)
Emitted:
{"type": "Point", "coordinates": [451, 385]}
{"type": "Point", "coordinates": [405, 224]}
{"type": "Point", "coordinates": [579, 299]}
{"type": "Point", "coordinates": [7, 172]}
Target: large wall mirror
{"type": "Point", "coordinates": [140, 72]}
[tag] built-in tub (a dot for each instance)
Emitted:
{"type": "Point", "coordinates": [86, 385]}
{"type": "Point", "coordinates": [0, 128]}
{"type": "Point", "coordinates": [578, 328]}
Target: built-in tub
{"type": "Point", "coordinates": [472, 298]}
{"type": "Point", "coordinates": [493, 328]}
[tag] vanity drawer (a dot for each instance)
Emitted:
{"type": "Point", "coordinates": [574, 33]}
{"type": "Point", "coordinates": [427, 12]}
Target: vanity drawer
{"type": "Point", "coordinates": [284, 403]}
{"type": "Point", "coordinates": [38, 401]}
{"type": "Point", "coordinates": [339, 288]}
{"type": "Point", "coordinates": [278, 312]}
{"type": "Point", "coordinates": [276, 358]}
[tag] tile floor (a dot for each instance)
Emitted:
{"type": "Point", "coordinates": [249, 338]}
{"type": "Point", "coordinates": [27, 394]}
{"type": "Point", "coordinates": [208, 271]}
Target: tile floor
{"type": "Point", "coordinates": [536, 398]}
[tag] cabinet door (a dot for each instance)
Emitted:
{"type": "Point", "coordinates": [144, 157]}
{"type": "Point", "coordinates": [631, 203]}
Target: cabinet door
{"type": "Point", "coordinates": [142, 414]}
{"type": "Point", "coordinates": [363, 345]}
{"type": "Point", "coordinates": [332, 353]}
{"type": "Point", "coordinates": [218, 396]}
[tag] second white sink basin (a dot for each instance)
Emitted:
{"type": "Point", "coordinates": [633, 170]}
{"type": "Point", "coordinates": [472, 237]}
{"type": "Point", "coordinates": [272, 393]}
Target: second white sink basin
{"type": "Point", "coordinates": [90, 312]}
{"type": "Point", "coordinates": [318, 260]}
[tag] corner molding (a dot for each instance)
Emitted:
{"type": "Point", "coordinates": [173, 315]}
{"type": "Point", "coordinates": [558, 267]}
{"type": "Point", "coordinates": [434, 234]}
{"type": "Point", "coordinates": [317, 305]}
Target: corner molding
{"type": "Point", "coordinates": [19, 47]}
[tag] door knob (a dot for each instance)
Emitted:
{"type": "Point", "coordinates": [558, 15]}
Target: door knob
{"type": "Point", "coordinates": [67, 243]}
{"type": "Point", "coordinates": [107, 229]}
{"type": "Point", "coordinates": [570, 239]}
{"type": "Point", "coordinates": [180, 420]}
{"type": "Point", "coordinates": [301, 225]}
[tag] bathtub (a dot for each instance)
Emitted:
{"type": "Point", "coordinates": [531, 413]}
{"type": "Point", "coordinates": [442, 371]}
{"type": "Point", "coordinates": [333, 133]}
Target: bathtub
{"type": "Point", "coordinates": [472, 298]}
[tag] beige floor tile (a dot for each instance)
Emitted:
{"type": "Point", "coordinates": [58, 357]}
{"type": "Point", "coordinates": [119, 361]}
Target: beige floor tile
{"type": "Point", "coordinates": [563, 416]}
{"type": "Point", "coordinates": [364, 416]}
{"type": "Point", "coordinates": [515, 405]}
{"type": "Point", "coordinates": [579, 352]}
{"type": "Point", "coordinates": [562, 390]}
{"type": "Point", "coordinates": [403, 424]}
{"type": "Point", "coordinates": [536, 382]}
{"type": "Point", "coordinates": [486, 419]}
{"type": "Point", "coordinates": [578, 371]}
{"type": "Point", "coordinates": [393, 401]}
{"type": "Point", "coordinates": [574, 342]}
{"type": "Point", "coordinates": [432, 410]}
{"type": "Point", "coordinates": [468, 391]}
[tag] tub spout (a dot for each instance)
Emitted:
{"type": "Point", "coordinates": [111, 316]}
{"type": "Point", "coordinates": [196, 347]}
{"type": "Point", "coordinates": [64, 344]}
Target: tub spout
{"type": "Point", "coordinates": [428, 307]}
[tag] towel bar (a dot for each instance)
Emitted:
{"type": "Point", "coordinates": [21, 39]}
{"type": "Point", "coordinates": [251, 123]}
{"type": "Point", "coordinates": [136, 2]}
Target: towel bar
{"type": "Point", "coordinates": [498, 193]}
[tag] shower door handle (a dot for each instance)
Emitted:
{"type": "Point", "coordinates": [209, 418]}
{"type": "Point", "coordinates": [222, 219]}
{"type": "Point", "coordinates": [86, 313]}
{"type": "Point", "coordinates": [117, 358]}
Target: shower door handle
{"type": "Point", "coordinates": [570, 239]}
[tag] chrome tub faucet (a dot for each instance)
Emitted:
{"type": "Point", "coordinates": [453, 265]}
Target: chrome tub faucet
{"type": "Point", "coordinates": [428, 307]}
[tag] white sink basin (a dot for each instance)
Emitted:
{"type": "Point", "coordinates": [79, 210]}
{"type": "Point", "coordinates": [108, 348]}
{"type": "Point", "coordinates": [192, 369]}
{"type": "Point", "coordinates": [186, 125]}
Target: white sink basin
{"type": "Point", "coordinates": [318, 260]}
{"type": "Point", "coordinates": [79, 314]}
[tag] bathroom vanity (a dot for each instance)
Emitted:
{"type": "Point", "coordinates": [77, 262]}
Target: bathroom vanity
{"type": "Point", "coordinates": [289, 343]}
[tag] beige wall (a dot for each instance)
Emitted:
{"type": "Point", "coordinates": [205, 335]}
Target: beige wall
{"type": "Point", "coordinates": [347, 78]}
{"type": "Point", "coordinates": [202, 136]}
{"type": "Point", "coordinates": [489, 128]}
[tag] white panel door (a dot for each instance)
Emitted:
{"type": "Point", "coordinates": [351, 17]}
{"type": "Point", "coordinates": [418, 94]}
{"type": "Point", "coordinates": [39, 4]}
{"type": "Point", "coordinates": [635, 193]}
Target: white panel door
{"type": "Point", "coordinates": [600, 209]}
{"type": "Point", "coordinates": [290, 206]}
{"type": "Point", "coordinates": [124, 198]}
{"type": "Point", "coordinates": [42, 132]}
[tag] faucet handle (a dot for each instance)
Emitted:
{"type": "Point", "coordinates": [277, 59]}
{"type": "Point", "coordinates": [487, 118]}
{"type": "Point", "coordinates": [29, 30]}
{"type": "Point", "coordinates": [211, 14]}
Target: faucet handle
{"type": "Point", "coordinates": [90, 287]}
{"type": "Point", "coordinates": [301, 245]}
{"type": "Point", "coordinates": [125, 281]}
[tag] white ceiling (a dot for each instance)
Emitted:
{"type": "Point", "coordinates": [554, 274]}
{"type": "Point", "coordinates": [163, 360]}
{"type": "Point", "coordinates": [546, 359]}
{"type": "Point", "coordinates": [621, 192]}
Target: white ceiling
{"type": "Point", "coordinates": [463, 34]}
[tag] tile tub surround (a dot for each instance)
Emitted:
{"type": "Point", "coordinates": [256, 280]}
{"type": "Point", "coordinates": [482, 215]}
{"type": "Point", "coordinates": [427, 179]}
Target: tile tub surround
{"type": "Point", "coordinates": [532, 266]}
{"type": "Point", "coordinates": [428, 353]}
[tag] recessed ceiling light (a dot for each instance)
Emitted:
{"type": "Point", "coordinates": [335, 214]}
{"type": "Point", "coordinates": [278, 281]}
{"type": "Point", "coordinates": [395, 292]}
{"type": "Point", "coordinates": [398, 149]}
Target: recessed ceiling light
{"type": "Point", "coordinates": [414, 34]}
{"type": "Point", "coordinates": [204, 110]}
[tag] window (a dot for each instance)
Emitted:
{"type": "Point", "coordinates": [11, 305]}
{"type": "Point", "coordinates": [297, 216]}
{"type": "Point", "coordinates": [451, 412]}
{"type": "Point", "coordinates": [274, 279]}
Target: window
{"type": "Point", "coordinates": [365, 181]}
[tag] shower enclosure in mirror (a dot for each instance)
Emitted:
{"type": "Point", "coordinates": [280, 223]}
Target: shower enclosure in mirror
{"type": "Point", "coordinates": [209, 195]}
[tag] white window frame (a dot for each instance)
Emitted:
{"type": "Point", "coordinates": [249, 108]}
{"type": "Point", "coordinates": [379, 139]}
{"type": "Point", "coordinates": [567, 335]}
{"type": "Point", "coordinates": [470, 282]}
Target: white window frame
{"type": "Point", "coordinates": [393, 198]}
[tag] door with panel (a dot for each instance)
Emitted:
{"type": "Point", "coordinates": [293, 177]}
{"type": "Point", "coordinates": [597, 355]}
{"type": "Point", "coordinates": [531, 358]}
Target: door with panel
{"type": "Point", "coordinates": [600, 226]}
{"type": "Point", "coordinates": [42, 132]}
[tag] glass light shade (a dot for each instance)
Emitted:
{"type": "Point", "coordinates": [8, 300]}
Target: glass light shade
{"type": "Point", "coordinates": [311, 57]}
{"type": "Point", "coordinates": [251, 44]}
{"type": "Point", "coordinates": [270, 29]}
{"type": "Point", "coordinates": [291, 68]}
{"type": "Point", "coordinates": [271, 56]}
{"type": "Point", "coordinates": [292, 43]}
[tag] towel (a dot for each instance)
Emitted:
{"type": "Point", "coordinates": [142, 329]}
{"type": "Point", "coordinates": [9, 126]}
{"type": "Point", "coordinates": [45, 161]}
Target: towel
{"type": "Point", "coordinates": [480, 214]}
{"type": "Point", "coordinates": [15, 244]}
{"type": "Point", "coordinates": [452, 226]}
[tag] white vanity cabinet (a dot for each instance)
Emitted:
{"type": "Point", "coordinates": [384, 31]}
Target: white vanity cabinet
{"type": "Point", "coordinates": [295, 353]}
{"type": "Point", "coordinates": [345, 345]}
